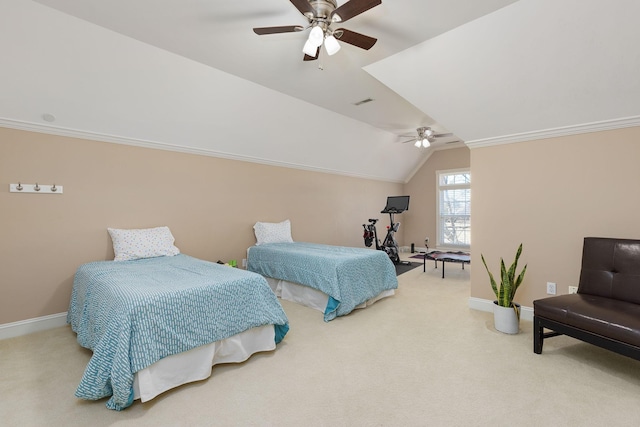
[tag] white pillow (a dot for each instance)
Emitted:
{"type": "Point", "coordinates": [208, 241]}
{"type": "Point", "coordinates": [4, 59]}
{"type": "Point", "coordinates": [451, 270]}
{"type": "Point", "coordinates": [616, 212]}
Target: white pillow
{"type": "Point", "coordinates": [273, 232]}
{"type": "Point", "coordinates": [142, 243]}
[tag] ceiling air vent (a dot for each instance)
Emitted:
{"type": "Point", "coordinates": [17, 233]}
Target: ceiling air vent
{"type": "Point", "coordinates": [364, 101]}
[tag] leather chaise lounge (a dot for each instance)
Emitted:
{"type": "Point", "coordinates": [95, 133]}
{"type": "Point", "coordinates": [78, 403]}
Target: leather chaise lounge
{"type": "Point", "coordinates": [606, 310]}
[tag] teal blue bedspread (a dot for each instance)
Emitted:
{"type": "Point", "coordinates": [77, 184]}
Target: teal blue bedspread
{"type": "Point", "coordinates": [133, 313]}
{"type": "Point", "coordinates": [350, 276]}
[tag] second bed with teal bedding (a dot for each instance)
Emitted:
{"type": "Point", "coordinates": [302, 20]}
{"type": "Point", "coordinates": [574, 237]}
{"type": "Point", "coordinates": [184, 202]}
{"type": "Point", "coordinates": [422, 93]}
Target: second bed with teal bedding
{"type": "Point", "coordinates": [349, 276]}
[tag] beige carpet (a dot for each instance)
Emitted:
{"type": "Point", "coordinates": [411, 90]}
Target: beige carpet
{"type": "Point", "coordinates": [420, 358]}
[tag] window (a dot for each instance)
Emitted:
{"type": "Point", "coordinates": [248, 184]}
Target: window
{"type": "Point", "coordinates": [454, 208]}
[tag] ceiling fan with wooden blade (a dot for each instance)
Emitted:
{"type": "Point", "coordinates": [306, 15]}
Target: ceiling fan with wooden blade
{"type": "Point", "coordinates": [320, 14]}
{"type": "Point", "coordinates": [353, 8]}
{"type": "Point", "coordinates": [425, 137]}
{"type": "Point", "coordinates": [355, 39]}
{"type": "Point", "coordinates": [278, 30]}
{"type": "Point", "coordinates": [312, 58]}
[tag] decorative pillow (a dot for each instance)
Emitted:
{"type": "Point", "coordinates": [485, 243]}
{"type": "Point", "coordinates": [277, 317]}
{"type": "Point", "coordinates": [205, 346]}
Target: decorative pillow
{"type": "Point", "coordinates": [273, 232]}
{"type": "Point", "coordinates": [142, 243]}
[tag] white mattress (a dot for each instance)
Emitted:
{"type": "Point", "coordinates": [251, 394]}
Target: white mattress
{"type": "Point", "coordinates": [311, 297]}
{"type": "Point", "coordinates": [195, 364]}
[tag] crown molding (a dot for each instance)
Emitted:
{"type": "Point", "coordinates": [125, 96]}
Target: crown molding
{"type": "Point", "coordinates": [95, 136]}
{"type": "Point", "coordinates": [557, 132]}
{"type": "Point", "coordinates": [430, 151]}
{"type": "Point", "coordinates": [418, 167]}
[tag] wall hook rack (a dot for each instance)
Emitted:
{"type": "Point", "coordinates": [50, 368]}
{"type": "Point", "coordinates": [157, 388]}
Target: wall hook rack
{"type": "Point", "coordinates": [35, 188]}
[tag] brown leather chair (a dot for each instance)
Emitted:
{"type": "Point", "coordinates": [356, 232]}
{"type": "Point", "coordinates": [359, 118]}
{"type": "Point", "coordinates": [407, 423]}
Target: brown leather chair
{"type": "Point", "coordinates": [606, 310]}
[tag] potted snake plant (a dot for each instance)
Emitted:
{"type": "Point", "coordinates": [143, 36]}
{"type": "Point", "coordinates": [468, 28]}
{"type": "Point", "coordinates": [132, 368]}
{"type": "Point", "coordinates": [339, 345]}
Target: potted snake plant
{"type": "Point", "coordinates": [506, 313]}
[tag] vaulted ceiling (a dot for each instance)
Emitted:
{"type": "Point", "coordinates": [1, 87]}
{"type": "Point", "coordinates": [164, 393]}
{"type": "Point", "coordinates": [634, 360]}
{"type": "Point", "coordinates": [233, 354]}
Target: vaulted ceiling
{"type": "Point", "coordinates": [191, 75]}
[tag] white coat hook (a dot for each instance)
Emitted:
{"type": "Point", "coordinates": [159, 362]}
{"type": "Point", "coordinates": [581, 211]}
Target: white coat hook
{"type": "Point", "coordinates": [36, 187]}
{"type": "Point", "coordinates": [19, 187]}
{"type": "Point", "coordinates": [53, 188]}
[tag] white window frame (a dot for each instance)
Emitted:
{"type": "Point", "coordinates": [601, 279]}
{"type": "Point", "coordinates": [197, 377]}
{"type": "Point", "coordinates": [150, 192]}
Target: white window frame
{"type": "Point", "coordinates": [439, 218]}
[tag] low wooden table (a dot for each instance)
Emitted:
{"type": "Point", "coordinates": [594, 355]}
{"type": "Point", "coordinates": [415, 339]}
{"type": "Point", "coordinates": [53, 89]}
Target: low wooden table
{"type": "Point", "coordinates": [459, 257]}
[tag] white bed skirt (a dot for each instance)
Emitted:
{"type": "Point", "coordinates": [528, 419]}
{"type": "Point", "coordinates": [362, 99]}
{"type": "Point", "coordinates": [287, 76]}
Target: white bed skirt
{"type": "Point", "coordinates": [311, 297]}
{"type": "Point", "coordinates": [195, 364]}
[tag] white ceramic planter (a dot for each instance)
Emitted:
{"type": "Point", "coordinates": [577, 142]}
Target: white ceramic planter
{"type": "Point", "coordinates": [506, 319]}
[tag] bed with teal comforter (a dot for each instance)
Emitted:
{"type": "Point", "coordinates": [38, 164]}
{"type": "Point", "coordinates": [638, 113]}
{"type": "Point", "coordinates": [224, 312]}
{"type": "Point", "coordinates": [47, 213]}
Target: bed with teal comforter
{"type": "Point", "coordinates": [133, 313]}
{"type": "Point", "coordinates": [349, 276]}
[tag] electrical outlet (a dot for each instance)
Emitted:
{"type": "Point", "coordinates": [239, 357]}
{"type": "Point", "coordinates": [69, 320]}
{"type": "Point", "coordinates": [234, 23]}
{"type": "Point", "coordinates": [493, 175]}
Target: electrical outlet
{"type": "Point", "coordinates": [244, 262]}
{"type": "Point", "coordinates": [573, 289]}
{"type": "Point", "coordinates": [551, 288]}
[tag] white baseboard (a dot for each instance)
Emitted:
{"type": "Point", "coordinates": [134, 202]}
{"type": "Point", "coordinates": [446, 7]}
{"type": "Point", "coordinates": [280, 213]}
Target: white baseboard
{"type": "Point", "coordinates": [526, 313]}
{"type": "Point", "coordinates": [24, 327]}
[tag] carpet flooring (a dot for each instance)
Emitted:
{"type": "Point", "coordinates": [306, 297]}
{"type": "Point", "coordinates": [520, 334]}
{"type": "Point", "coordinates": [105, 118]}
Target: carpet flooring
{"type": "Point", "coordinates": [420, 358]}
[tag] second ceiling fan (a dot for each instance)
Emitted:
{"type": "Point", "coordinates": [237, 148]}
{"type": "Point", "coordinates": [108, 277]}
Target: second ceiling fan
{"type": "Point", "coordinates": [321, 14]}
{"type": "Point", "coordinates": [425, 137]}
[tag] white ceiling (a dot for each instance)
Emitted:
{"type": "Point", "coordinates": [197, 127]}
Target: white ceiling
{"type": "Point", "coordinates": [533, 69]}
{"type": "Point", "coordinates": [190, 75]}
{"type": "Point", "coordinates": [219, 34]}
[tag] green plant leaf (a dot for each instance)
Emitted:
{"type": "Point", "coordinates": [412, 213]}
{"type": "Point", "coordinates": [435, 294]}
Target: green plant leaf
{"type": "Point", "coordinates": [491, 279]}
{"type": "Point", "coordinates": [506, 290]}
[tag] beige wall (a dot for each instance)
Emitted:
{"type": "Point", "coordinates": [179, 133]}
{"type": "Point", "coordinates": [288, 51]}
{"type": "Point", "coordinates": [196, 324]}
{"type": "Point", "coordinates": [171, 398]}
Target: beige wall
{"type": "Point", "coordinates": [420, 220]}
{"type": "Point", "coordinates": [210, 204]}
{"type": "Point", "coordinates": [550, 194]}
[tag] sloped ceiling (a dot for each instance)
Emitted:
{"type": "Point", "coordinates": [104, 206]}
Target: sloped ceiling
{"type": "Point", "coordinates": [534, 69]}
{"type": "Point", "coordinates": [145, 73]}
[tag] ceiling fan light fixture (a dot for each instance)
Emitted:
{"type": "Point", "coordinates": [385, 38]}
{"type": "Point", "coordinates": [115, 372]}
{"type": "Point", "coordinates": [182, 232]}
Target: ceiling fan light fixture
{"type": "Point", "coordinates": [422, 143]}
{"type": "Point", "coordinates": [309, 49]}
{"type": "Point", "coordinates": [332, 45]}
{"type": "Point", "coordinates": [316, 36]}
{"type": "Point", "coordinates": [320, 15]}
